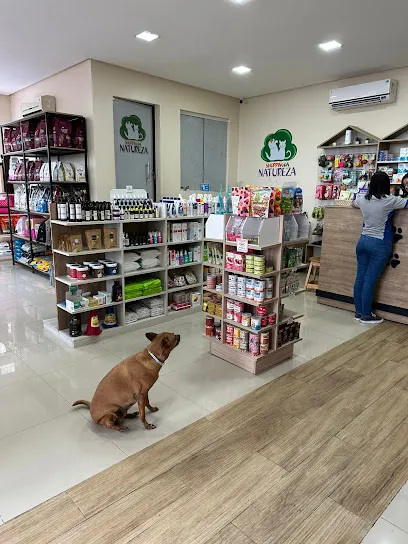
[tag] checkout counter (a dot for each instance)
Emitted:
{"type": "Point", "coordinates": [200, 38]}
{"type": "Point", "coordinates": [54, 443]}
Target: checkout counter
{"type": "Point", "coordinates": [338, 265]}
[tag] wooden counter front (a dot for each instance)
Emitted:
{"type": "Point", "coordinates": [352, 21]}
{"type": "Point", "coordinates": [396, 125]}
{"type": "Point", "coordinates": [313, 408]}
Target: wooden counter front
{"type": "Point", "coordinates": [342, 229]}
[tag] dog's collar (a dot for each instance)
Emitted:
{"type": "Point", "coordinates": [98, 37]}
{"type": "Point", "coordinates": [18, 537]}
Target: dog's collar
{"type": "Point", "coordinates": [153, 356]}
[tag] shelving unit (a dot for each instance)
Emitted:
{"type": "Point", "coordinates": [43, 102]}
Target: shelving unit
{"type": "Point", "coordinates": [59, 327]}
{"type": "Point", "coordinates": [392, 144]}
{"type": "Point", "coordinates": [48, 153]}
{"type": "Point", "coordinates": [273, 254]}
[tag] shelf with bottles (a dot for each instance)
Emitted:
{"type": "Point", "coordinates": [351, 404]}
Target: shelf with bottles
{"type": "Point", "coordinates": [184, 256]}
{"type": "Point", "coordinates": [184, 232]}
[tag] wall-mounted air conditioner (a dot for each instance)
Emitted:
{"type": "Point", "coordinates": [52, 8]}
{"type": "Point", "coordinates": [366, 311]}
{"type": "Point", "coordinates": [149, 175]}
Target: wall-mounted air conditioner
{"type": "Point", "coordinates": [365, 94]}
{"type": "Point", "coordinates": [40, 104]}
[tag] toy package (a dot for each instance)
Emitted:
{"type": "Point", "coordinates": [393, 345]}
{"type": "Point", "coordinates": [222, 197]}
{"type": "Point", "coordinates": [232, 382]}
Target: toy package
{"type": "Point", "coordinates": [320, 192]}
{"type": "Point", "coordinates": [288, 196]}
{"type": "Point", "coordinates": [278, 200]}
{"type": "Point", "coordinates": [260, 197]}
{"type": "Point", "coordinates": [244, 199]}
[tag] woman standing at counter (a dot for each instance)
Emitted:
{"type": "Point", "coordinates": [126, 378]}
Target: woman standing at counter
{"type": "Point", "coordinates": [375, 245]}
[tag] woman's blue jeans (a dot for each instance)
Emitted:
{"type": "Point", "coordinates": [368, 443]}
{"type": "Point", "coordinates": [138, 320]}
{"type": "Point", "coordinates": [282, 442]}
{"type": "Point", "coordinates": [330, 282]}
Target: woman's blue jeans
{"type": "Point", "coordinates": [372, 257]}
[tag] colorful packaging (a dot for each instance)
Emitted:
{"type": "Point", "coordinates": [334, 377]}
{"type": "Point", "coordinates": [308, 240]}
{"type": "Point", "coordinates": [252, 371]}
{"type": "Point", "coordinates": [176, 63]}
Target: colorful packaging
{"type": "Point", "coordinates": [260, 198]}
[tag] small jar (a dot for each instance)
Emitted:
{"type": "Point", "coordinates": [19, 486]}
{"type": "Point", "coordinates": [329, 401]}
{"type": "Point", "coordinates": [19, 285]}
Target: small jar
{"type": "Point", "coordinates": [246, 319]}
{"type": "Point", "coordinates": [82, 273]}
{"type": "Point", "coordinates": [69, 266]}
{"type": "Point", "coordinates": [96, 270]}
{"type": "Point", "coordinates": [111, 269]}
{"type": "Point", "coordinates": [73, 270]}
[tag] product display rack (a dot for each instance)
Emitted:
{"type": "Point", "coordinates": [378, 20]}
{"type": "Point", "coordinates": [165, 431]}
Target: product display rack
{"type": "Point", "coordinates": [59, 327]}
{"type": "Point", "coordinates": [273, 254]}
{"type": "Point", "coordinates": [46, 153]}
{"type": "Point", "coordinates": [392, 144]}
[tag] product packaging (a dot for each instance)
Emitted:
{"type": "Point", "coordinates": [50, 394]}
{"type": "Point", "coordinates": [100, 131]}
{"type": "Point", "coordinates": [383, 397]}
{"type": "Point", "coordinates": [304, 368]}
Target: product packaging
{"type": "Point", "coordinates": [94, 238]}
{"type": "Point", "coordinates": [110, 238]}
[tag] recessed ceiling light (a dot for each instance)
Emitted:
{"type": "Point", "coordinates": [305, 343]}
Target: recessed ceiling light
{"type": "Point", "coordinates": [330, 46]}
{"type": "Point", "coordinates": [147, 36]}
{"type": "Point", "coordinates": [240, 1]}
{"type": "Point", "coordinates": [241, 70]}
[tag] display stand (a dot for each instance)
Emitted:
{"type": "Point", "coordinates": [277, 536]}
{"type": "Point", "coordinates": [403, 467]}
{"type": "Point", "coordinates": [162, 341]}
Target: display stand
{"type": "Point", "coordinates": [58, 327]}
{"type": "Point", "coordinates": [272, 248]}
{"type": "Point", "coordinates": [48, 153]}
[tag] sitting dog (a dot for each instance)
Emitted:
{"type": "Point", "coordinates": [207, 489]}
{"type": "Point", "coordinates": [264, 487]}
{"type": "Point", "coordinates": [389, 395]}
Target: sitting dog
{"type": "Point", "coordinates": [129, 382]}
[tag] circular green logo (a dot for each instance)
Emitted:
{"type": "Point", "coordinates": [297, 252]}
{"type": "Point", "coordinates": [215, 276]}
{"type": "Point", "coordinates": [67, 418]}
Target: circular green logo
{"type": "Point", "coordinates": [131, 129]}
{"type": "Point", "coordinates": [279, 147]}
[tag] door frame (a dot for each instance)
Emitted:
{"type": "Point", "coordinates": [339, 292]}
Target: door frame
{"type": "Point", "coordinates": [153, 106]}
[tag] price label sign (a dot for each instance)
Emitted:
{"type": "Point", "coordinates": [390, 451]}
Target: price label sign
{"type": "Point", "coordinates": [242, 245]}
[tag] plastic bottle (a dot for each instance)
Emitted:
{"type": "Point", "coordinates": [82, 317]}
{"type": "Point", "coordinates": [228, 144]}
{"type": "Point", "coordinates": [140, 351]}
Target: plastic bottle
{"type": "Point", "coordinates": [185, 257]}
{"type": "Point", "coordinates": [228, 206]}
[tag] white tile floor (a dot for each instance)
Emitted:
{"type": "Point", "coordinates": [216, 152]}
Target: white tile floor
{"type": "Point", "coordinates": [46, 446]}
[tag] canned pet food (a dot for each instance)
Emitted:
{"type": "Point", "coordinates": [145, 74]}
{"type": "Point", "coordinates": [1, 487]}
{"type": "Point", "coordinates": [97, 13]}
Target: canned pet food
{"type": "Point", "coordinates": [246, 319]}
{"type": "Point", "coordinates": [218, 333]}
{"type": "Point", "coordinates": [264, 338]}
{"type": "Point", "coordinates": [272, 319]}
{"type": "Point", "coordinates": [111, 269]}
{"type": "Point", "coordinates": [236, 343]}
{"type": "Point", "coordinates": [230, 315]}
{"type": "Point", "coordinates": [211, 281]}
{"type": "Point", "coordinates": [249, 294]}
{"type": "Point", "coordinates": [229, 339]}
{"type": "Point", "coordinates": [230, 304]}
{"type": "Point", "coordinates": [254, 349]}
{"type": "Point", "coordinates": [268, 294]}
{"type": "Point", "coordinates": [269, 283]}
{"type": "Point", "coordinates": [262, 310]}
{"type": "Point", "coordinates": [239, 307]}
{"type": "Point", "coordinates": [263, 349]}
{"type": "Point", "coordinates": [237, 332]}
{"type": "Point", "coordinates": [96, 270]}
{"type": "Point", "coordinates": [255, 323]}
{"type": "Point", "coordinates": [209, 321]}
{"type": "Point", "coordinates": [264, 321]}
{"type": "Point", "coordinates": [238, 317]}
{"type": "Point", "coordinates": [209, 331]}
{"type": "Point", "coordinates": [82, 272]}
{"type": "Point", "coordinates": [244, 335]}
{"type": "Point", "coordinates": [259, 296]}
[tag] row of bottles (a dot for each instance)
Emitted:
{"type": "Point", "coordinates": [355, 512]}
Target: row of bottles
{"type": "Point", "coordinates": [73, 209]}
{"type": "Point", "coordinates": [126, 209]}
{"type": "Point", "coordinates": [136, 239]}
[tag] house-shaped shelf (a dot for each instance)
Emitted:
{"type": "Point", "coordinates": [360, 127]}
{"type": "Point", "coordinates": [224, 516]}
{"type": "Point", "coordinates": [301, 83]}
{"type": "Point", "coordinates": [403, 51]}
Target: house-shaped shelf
{"type": "Point", "coordinates": [400, 135]}
{"type": "Point", "coordinates": [366, 139]}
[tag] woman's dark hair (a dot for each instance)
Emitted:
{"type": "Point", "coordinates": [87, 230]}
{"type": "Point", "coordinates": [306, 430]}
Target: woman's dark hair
{"type": "Point", "coordinates": [404, 191]}
{"type": "Point", "coordinates": [379, 186]}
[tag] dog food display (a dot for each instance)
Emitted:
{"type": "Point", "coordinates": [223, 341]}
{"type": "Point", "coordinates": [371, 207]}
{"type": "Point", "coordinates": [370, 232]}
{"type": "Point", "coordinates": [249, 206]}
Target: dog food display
{"type": "Point", "coordinates": [290, 282]}
{"type": "Point", "coordinates": [288, 332]}
{"type": "Point", "coordinates": [212, 304]}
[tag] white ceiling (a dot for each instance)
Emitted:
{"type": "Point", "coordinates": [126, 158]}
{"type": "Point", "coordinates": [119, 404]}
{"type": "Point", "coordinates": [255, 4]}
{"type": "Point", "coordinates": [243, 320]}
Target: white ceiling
{"type": "Point", "coordinates": [201, 40]}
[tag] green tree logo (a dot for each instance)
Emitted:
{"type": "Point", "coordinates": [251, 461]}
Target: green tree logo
{"type": "Point", "coordinates": [279, 147]}
{"type": "Point", "coordinates": [131, 129]}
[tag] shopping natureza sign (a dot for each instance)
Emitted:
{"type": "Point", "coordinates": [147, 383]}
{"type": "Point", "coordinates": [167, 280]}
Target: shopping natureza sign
{"type": "Point", "coordinates": [133, 133]}
{"type": "Point", "coordinates": [277, 150]}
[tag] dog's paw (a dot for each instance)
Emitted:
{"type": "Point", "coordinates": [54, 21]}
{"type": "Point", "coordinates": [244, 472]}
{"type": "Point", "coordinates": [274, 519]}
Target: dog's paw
{"type": "Point", "coordinates": [394, 261]}
{"type": "Point", "coordinates": [150, 426]}
{"type": "Point", "coordinates": [124, 429]}
{"type": "Point", "coordinates": [154, 409]}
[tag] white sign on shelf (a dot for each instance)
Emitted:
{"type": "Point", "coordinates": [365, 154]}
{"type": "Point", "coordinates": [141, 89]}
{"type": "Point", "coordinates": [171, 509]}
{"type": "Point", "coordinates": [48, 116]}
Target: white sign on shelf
{"type": "Point", "coordinates": [242, 245]}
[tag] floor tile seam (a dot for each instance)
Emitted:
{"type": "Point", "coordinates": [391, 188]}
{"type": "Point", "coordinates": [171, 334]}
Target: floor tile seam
{"type": "Point", "coordinates": [391, 523]}
{"type": "Point", "coordinates": [33, 426]}
{"type": "Point", "coordinates": [240, 530]}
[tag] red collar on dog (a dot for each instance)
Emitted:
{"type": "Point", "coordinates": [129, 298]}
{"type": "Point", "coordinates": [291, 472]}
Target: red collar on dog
{"type": "Point", "coordinates": [153, 356]}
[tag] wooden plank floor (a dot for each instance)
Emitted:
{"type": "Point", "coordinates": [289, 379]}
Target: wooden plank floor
{"type": "Point", "coordinates": [313, 457]}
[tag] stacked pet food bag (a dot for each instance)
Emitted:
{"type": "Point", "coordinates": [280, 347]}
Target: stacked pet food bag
{"type": "Point", "coordinates": [142, 286]}
{"type": "Point", "coordinates": [260, 202]}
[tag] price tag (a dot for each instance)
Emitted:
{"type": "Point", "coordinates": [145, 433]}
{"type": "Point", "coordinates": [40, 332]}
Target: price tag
{"type": "Point", "coordinates": [242, 245]}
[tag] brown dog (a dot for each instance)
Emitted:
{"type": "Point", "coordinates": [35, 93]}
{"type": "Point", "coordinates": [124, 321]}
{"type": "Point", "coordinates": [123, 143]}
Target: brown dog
{"type": "Point", "coordinates": [129, 382]}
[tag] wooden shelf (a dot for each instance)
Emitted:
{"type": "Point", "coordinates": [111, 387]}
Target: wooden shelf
{"type": "Point", "coordinates": [211, 265]}
{"type": "Point", "coordinates": [184, 242]}
{"type": "Point", "coordinates": [144, 271]}
{"type": "Point", "coordinates": [143, 247]}
{"type": "Point", "coordinates": [86, 252]}
{"type": "Point", "coordinates": [295, 268]}
{"type": "Point", "coordinates": [175, 267]}
{"type": "Point", "coordinates": [83, 310]}
{"type": "Point", "coordinates": [249, 329]}
{"type": "Point", "coordinates": [125, 301]}
{"type": "Point", "coordinates": [182, 218]}
{"type": "Point", "coordinates": [214, 291]}
{"type": "Point", "coordinates": [251, 302]}
{"type": "Point", "coordinates": [289, 315]}
{"type": "Point", "coordinates": [299, 241]}
{"type": "Point", "coordinates": [251, 246]}
{"type": "Point", "coordinates": [253, 276]}
{"type": "Point", "coordinates": [72, 281]}
{"type": "Point", "coordinates": [177, 289]}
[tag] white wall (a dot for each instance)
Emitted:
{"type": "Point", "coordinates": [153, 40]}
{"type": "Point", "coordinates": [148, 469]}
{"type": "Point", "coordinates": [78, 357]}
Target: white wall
{"type": "Point", "coordinates": [72, 89]}
{"type": "Point", "coordinates": [305, 112]}
{"type": "Point", "coordinates": [170, 98]}
{"type": "Point", "coordinates": [5, 108]}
